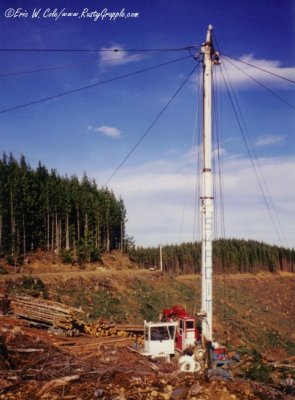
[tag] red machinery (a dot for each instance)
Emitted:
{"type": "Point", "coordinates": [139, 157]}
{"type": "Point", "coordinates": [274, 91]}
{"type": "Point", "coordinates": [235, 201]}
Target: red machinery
{"type": "Point", "coordinates": [187, 333]}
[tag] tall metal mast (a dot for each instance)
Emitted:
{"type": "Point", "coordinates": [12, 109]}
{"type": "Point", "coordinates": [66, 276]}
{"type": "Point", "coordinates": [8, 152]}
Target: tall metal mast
{"type": "Point", "coordinates": [210, 57]}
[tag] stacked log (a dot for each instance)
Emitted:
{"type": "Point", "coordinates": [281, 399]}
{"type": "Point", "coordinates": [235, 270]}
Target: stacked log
{"type": "Point", "coordinates": [48, 313]}
{"type": "Point", "coordinates": [107, 329]}
{"type": "Point", "coordinates": [52, 314]}
{"type": "Point", "coordinates": [130, 328]}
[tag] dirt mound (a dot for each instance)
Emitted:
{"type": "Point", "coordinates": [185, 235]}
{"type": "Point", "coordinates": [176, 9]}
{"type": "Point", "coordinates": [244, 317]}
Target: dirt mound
{"type": "Point", "coordinates": [50, 262]}
{"type": "Point", "coordinates": [38, 262]}
{"type": "Point", "coordinates": [117, 260]}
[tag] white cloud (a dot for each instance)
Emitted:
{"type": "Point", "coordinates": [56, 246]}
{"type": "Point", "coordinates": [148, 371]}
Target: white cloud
{"type": "Point", "coordinates": [268, 140]}
{"type": "Point", "coordinates": [116, 55]}
{"type": "Point", "coordinates": [238, 72]}
{"type": "Point", "coordinates": [273, 66]}
{"type": "Point", "coordinates": [196, 152]}
{"type": "Point", "coordinates": [160, 200]}
{"type": "Point", "coordinates": [109, 131]}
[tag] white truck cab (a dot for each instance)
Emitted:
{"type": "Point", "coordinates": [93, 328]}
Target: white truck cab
{"type": "Point", "coordinates": [159, 338]}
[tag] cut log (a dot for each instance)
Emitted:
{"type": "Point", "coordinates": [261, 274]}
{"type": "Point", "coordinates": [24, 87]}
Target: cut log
{"type": "Point", "coordinates": [25, 350]}
{"type": "Point", "coordinates": [47, 312]}
{"type": "Point", "coordinates": [56, 383]}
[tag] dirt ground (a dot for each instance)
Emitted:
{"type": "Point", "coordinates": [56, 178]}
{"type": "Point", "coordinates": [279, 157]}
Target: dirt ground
{"type": "Point", "coordinates": [42, 262]}
{"type": "Point", "coordinates": [251, 313]}
{"type": "Point", "coordinates": [37, 365]}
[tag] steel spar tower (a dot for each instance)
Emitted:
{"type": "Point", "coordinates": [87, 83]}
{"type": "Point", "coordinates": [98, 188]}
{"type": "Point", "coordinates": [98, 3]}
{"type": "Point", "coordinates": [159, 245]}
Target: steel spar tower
{"type": "Point", "coordinates": [210, 58]}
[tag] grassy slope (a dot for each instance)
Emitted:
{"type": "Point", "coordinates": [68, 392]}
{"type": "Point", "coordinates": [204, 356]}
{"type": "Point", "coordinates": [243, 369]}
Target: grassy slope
{"type": "Point", "coordinates": [255, 311]}
{"type": "Point", "coordinates": [250, 311]}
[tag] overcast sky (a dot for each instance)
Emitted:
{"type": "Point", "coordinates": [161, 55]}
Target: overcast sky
{"type": "Point", "coordinates": [94, 129]}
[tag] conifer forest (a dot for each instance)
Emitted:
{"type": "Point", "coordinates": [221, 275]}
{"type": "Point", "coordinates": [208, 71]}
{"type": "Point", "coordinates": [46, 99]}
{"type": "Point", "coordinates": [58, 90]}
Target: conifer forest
{"type": "Point", "coordinates": [229, 256]}
{"type": "Point", "coordinates": [39, 209]}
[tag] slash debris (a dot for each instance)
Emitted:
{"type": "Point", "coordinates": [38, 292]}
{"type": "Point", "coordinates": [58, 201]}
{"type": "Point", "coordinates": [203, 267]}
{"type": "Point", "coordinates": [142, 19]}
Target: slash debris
{"type": "Point", "coordinates": [36, 365]}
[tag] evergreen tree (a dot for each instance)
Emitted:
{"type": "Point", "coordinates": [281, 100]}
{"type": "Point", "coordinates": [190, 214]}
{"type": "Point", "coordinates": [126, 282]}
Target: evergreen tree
{"type": "Point", "coordinates": [42, 210]}
{"type": "Point", "coordinates": [229, 256]}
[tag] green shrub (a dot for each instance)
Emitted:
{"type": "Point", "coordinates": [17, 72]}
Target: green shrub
{"type": "Point", "coordinates": [81, 255]}
{"type": "Point", "coordinates": [34, 287]}
{"type": "Point", "coordinates": [66, 256]}
{"type": "Point", "coordinates": [15, 260]}
{"type": "Point", "coordinates": [290, 348]}
{"type": "Point", "coordinates": [273, 338]}
{"type": "Point", "coordinates": [259, 371]}
{"type": "Point", "coordinates": [95, 254]}
{"type": "Point", "coordinates": [10, 260]}
{"type": "Point", "coordinates": [107, 305]}
{"type": "Point", "coordinates": [3, 270]}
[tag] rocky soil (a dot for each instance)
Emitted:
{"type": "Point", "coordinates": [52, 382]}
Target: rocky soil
{"type": "Point", "coordinates": [36, 366]}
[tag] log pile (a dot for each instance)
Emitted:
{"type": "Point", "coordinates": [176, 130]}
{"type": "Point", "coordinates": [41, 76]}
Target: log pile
{"type": "Point", "coordinates": [59, 316]}
{"type": "Point", "coordinates": [104, 328]}
{"type": "Point", "coordinates": [47, 313]}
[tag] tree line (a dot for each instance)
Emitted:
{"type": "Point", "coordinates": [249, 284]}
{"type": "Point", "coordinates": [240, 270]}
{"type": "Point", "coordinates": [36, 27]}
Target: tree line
{"type": "Point", "coordinates": [39, 209]}
{"type": "Point", "coordinates": [229, 256]}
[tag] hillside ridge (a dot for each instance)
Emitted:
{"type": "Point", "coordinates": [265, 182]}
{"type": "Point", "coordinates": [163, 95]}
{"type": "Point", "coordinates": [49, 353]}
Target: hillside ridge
{"type": "Point", "coordinates": [249, 309]}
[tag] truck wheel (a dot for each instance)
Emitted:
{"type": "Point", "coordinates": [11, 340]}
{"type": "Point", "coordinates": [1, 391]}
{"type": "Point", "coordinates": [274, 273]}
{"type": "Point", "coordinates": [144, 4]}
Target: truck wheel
{"type": "Point", "coordinates": [186, 364]}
